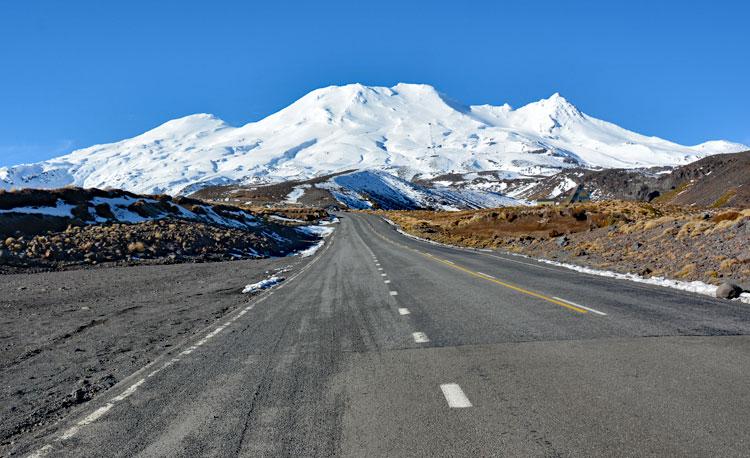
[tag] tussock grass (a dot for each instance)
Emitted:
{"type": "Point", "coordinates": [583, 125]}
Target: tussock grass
{"type": "Point", "coordinates": [724, 199]}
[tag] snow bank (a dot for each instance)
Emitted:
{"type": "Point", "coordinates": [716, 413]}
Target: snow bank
{"type": "Point", "coordinates": [284, 219]}
{"type": "Point", "coordinates": [310, 251]}
{"type": "Point", "coordinates": [263, 284]}
{"type": "Point", "coordinates": [61, 209]}
{"type": "Point", "coordinates": [691, 286]}
{"type": "Point", "coordinates": [296, 193]}
{"type": "Point", "coordinates": [322, 230]}
{"type": "Point", "coordinates": [333, 220]}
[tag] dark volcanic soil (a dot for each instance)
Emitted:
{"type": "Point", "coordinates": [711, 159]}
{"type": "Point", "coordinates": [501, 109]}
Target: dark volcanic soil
{"type": "Point", "coordinates": [68, 336]}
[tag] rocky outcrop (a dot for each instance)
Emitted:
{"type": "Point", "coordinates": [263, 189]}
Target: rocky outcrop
{"type": "Point", "coordinates": [728, 291]}
{"type": "Point", "coordinates": [82, 227]}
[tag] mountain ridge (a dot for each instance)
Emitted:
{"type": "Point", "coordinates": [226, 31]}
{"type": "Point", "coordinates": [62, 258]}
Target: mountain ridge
{"type": "Point", "coordinates": [410, 130]}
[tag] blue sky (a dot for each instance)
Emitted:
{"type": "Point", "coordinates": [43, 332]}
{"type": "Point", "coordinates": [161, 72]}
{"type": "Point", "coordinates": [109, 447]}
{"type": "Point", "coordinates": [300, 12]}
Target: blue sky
{"type": "Point", "coordinates": [77, 73]}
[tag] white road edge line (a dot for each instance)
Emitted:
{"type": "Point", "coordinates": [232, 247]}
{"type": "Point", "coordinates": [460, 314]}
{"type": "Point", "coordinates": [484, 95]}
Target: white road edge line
{"type": "Point", "coordinates": [101, 411]}
{"type": "Point", "coordinates": [420, 337]}
{"type": "Point", "coordinates": [455, 396]}
{"type": "Point", "coordinates": [580, 306]}
{"type": "Point", "coordinates": [403, 311]}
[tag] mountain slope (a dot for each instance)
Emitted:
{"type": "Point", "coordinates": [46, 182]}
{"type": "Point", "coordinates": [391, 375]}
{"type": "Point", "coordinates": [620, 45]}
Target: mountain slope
{"type": "Point", "coordinates": [364, 189]}
{"type": "Point", "coordinates": [721, 180]}
{"type": "Point", "coordinates": [408, 130]}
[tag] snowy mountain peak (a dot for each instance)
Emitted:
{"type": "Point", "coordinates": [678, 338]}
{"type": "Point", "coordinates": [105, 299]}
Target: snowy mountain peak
{"type": "Point", "coordinates": [407, 130]}
{"type": "Point", "coordinates": [198, 121]}
{"type": "Point", "coordinates": [192, 125]}
{"type": "Point", "coordinates": [548, 114]}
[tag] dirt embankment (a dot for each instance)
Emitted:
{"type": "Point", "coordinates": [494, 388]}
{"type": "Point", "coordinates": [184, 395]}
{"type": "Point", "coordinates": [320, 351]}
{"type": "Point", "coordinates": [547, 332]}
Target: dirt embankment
{"type": "Point", "coordinates": [72, 227]}
{"type": "Point", "coordinates": [152, 242]}
{"type": "Point", "coordinates": [629, 237]}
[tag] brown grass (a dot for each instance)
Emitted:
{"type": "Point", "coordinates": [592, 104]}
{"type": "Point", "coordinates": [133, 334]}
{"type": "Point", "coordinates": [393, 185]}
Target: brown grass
{"type": "Point", "coordinates": [669, 195]}
{"type": "Point", "coordinates": [724, 199]}
{"type": "Point", "coordinates": [494, 227]}
{"type": "Point", "coordinates": [688, 270]}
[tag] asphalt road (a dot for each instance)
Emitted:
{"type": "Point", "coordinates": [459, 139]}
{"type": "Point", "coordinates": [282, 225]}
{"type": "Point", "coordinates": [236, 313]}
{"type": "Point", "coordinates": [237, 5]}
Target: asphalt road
{"type": "Point", "coordinates": [388, 346]}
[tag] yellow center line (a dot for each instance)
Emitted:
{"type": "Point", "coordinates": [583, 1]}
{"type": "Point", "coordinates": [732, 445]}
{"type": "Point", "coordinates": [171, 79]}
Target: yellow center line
{"type": "Point", "coordinates": [513, 287]}
{"type": "Point", "coordinates": [493, 280]}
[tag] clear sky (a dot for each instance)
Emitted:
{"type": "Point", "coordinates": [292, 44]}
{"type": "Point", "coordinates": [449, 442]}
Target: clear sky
{"type": "Point", "coordinates": [75, 73]}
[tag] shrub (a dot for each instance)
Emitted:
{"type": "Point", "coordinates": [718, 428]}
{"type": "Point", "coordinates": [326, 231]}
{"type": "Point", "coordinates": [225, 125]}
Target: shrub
{"type": "Point", "coordinates": [136, 247]}
{"type": "Point", "coordinates": [726, 216]}
{"type": "Point", "coordinates": [687, 270]}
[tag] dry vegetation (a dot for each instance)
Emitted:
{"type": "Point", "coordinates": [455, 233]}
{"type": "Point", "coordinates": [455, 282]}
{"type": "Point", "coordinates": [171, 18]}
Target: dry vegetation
{"type": "Point", "coordinates": [306, 214]}
{"type": "Point", "coordinates": [651, 240]}
{"type": "Point", "coordinates": [93, 235]}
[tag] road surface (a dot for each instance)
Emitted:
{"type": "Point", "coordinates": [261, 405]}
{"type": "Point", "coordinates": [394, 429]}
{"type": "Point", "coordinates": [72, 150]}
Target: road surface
{"type": "Point", "coordinates": [383, 345]}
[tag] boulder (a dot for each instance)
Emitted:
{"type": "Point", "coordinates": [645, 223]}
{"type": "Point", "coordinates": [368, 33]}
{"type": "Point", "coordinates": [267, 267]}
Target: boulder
{"type": "Point", "coordinates": [728, 291]}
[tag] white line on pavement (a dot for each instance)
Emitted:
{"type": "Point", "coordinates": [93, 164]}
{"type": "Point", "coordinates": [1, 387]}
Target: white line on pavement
{"type": "Point", "coordinates": [101, 411]}
{"type": "Point", "coordinates": [581, 306]}
{"type": "Point", "coordinates": [383, 275]}
{"type": "Point", "coordinates": [455, 396]}
{"type": "Point", "coordinates": [403, 311]}
{"type": "Point", "coordinates": [420, 337]}
{"type": "Point", "coordinates": [394, 293]}
{"type": "Point", "coordinates": [486, 275]}
{"type": "Point", "coordinates": [386, 281]}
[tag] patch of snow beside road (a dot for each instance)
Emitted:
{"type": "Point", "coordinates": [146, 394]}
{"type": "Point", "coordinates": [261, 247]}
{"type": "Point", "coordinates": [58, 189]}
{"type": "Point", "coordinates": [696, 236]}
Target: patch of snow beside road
{"type": "Point", "coordinates": [692, 286]}
{"type": "Point", "coordinates": [323, 230]}
{"type": "Point", "coordinates": [263, 284]}
{"type": "Point", "coordinates": [284, 219]}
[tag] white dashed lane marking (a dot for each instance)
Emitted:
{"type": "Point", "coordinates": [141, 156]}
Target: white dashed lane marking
{"type": "Point", "coordinates": [455, 396]}
{"type": "Point", "coordinates": [394, 293]}
{"type": "Point", "coordinates": [403, 311]}
{"type": "Point", "coordinates": [386, 281]}
{"type": "Point", "coordinates": [420, 337]}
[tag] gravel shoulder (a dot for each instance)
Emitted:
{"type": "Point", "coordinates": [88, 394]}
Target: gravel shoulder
{"type": "Point", "coordinates": [68, 336]}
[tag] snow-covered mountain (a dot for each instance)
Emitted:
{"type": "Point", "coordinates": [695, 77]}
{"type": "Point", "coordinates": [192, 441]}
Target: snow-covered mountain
{"type": "Point", "coordinates": [408, 130]}
{"type": "Point", "coordinates": [368, 189]}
